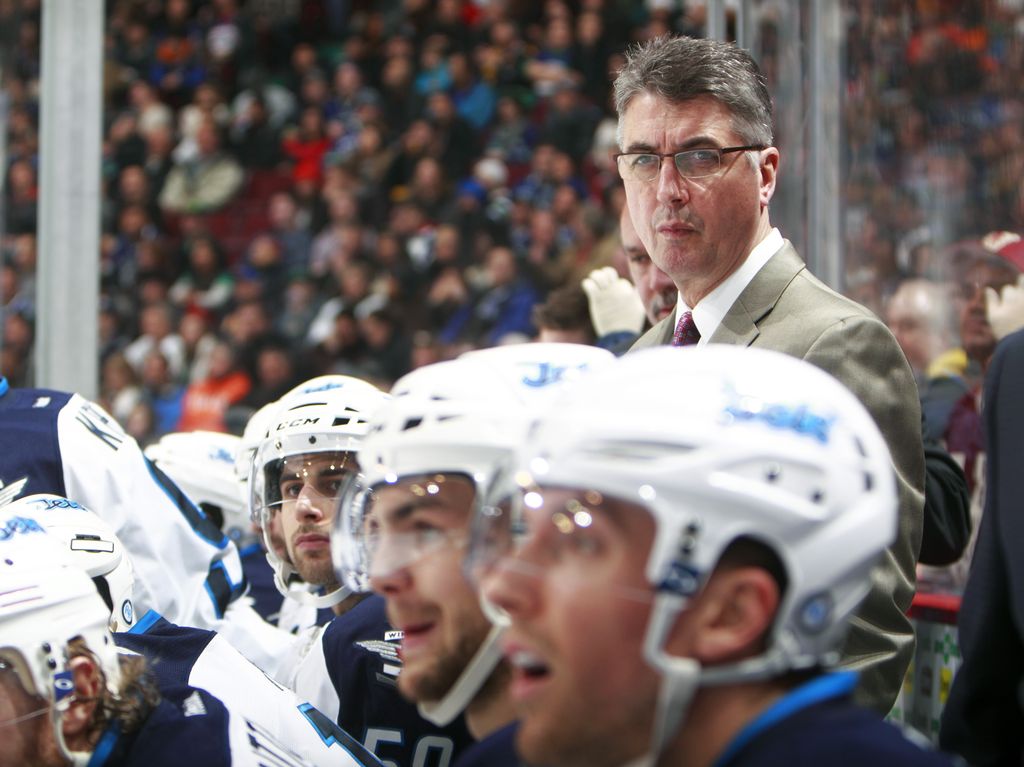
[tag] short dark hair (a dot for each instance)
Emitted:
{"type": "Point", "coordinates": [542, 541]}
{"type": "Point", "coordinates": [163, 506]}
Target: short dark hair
{"type": "Point", "coordinates": [565, 308]}
{"type": "Point", "coordinates": [682, 68]}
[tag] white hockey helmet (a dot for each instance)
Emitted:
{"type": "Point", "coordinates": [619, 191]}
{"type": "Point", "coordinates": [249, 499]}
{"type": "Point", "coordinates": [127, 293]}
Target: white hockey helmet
{"type": "Point", "coordinates": [93, 546]}
{"type": "Point", "coordinates": [326, 415]}
{"type": "Point", "coordinates": [202, 464]}
{"type": "Point", "coordinates": [45, 603]}
{"type": "Point", "coordinates": [720, 444]}
{"type": "Point", "coordinates": [252, 437]}
{"type": "Point", "coordinates": [464, 418]}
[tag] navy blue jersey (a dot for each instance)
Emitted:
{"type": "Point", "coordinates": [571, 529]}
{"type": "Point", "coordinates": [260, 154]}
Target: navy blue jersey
{"type": "Point", "coordinates": [817, 724]}
{"type": "Point", "coordinates": [496, 750]}
{"type": "Point", "coordinates": [266, 599]}
{"type": "Point", "coordinates": [180, 656]}
{"type": "Point", "coordinates": [190, 726]}
{"type": "Point", "coordinates": [351, 672]}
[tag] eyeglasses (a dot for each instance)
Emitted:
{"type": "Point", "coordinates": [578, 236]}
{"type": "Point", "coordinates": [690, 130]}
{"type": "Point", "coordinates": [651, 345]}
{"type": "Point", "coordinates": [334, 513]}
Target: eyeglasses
{"type": "Point", "coordinates": [693, 163]}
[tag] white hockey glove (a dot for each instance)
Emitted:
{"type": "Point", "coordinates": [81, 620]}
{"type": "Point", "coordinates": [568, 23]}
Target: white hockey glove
{"type": "Point", "coordinates": [615, 305]}
{"type": "Point", "coordinates": [1005, 311]}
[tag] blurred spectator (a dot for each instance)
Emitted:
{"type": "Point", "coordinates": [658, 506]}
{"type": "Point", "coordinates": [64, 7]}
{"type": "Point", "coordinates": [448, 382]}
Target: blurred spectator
{"type": "Point", "coordinates": [498, 310]}
{"type": "Point", "coordinates": [512, 134]}
{"type": "Point", "coordinates": [163, 394]}
{"type": "Point", "coordinates": [21, 194]}
{"type": "Point", "coordinates": [474, 99]}
{"type": "Point", "coordinates": [120, 391]}
{"type": "Point", "coordinates": [457, 142]}
{"type": "Point", "coordinates": [564, 317]}
{"type": "Point", "coordinates": [388, 349]}
{"type": "Point", "coordinates": [204, 183]}
{"type": "Point", "coordinates": [919, 315]}
{"type": "Point", "coordinates": [289, 226]}
{"type": "Point", "coordinates": [255, 139]}
{"type": "Point", "coordinates": [305, 145]}
{"type": "Point", "coordinates": [274, 375]}
{"type": "Point", "coordinates": [570, 121]}
{"type": "Point", "coordinates": [206, 283]}
{"type": "Point", "coordinates": [199, 340]}
{"type": "Point", "coordinates": [207, 400]}
{"type": "Point", "coordinates": [156, 323]}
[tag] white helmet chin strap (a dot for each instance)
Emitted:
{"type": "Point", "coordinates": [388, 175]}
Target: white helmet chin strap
{"type": "Point", "coordinates": [681, 677]}
{"type": "Point", "coordinates": [468, 684]}
{"type": "Point", "coordinates": [77, 758]}
{"type": "Point", "coordinates": [303, 596]}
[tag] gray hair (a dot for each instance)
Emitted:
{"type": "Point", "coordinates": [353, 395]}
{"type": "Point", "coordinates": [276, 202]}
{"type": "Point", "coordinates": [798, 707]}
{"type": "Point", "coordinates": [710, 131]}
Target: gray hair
{"type": "Point", "coordinates": [682, 68]}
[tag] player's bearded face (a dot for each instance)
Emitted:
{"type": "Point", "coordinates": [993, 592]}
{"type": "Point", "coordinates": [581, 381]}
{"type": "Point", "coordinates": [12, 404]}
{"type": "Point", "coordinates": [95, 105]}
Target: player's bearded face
{"type": "Point", "coordinates": [418, 570]}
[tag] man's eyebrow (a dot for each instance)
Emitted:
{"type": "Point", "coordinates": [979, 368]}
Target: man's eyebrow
{"type": "Point", "coordinates": [693, 142]}
{"type": "Point", "coordinates": [407, 508]}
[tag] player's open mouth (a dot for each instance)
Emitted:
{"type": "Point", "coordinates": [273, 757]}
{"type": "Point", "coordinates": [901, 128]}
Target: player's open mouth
{"type": "Point", "coordinates": [529, 671]}
{"type": "Point", "coordinates": [416, 635]}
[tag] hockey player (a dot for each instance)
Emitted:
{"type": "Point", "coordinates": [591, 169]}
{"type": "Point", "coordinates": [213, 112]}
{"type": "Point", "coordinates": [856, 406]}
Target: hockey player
{"type": "Point", "coordinates": [428, 460]}
{"type": "Point", "coordinates": [185, 567]}
{"type": "Point", "coordinates": [181, 656]}
{"type": "Point", "coordinates": [68, 697]}
{"type": "Point", "coordinates": [679, 569]}
{"type": "Point", "coordinates": [347, 668]}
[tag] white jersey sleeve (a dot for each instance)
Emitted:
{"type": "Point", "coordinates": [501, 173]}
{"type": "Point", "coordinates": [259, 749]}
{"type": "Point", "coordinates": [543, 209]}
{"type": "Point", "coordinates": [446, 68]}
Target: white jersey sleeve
{"type": "Point", "coordinates": [185, 568]}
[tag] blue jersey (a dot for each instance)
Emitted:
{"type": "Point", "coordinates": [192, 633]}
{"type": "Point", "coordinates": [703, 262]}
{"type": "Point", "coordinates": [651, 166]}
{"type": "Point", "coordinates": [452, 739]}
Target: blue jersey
{"type": "Point", "coordinates": [180, 656]}
{"type": "Point", "coordinates": [185, 567]}
{"type": "Point", "coordinates": [817, 724]}
{"type": "Point", "coordinates": [350, 673]}
{"type": "Point", "coordinates": [266, 599]}
{"type": "Point", "coordinates": [496, 750]}
{"type": "Point", "coordinates": [190, 726]}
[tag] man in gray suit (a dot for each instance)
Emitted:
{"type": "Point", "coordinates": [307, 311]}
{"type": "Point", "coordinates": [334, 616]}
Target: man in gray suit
{"type": "Point", "coordinates": [695, 130]}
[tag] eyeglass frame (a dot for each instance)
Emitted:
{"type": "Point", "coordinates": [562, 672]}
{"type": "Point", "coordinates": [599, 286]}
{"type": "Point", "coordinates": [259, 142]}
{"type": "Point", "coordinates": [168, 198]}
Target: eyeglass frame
{"type": "Point", "coordinates": [661, 157]}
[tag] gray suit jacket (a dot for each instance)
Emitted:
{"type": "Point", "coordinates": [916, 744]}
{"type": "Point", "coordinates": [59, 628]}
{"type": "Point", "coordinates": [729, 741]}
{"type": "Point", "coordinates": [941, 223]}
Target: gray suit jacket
{"type": "Point", "coordinates": [787, 309]}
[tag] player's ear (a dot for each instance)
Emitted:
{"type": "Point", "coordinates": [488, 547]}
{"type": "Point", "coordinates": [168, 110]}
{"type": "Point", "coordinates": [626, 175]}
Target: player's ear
{"type": "Point", "coordinates": [729, 619]}
{"type": "Point", "coordinates": [76, 723]}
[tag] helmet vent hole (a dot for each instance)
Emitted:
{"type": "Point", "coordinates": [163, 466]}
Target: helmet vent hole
{"type": "Point", "coordinates": [817, 496]}
{"type": "Point", "coordinates": [341, 421]}
{"type": "Point", "coordinates": [411, 423]}
{"type": "Point", "coordinates": [773, 472]}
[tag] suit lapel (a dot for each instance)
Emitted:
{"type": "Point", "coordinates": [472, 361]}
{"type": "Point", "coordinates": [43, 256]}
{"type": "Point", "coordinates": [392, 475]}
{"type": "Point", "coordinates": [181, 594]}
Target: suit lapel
{"type": "Point", "coordinates": [659, 335]}
{"type": "Point", "coordinates": [739, 326]}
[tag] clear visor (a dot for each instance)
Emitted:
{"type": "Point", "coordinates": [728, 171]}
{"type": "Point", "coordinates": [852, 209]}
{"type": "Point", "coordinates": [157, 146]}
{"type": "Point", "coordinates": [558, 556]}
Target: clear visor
{"type": "Point", "coordinates": [389, 526]}
{"type": "Point", "coordinates": [572, 534]}
{"type": "Point", "coordinates": [312, 468]}
{"type": "Point", "coordinates": [22, 704]}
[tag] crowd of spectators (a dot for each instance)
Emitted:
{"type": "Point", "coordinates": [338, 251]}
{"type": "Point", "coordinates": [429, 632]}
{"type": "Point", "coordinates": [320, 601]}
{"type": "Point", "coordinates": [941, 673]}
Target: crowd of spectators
{"type": "Point", "coordinates": [295, 188]}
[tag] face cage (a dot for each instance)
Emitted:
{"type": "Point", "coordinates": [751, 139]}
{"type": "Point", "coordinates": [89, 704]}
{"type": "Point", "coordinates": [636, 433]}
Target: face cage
{"type": "Point", "coordinates": [352, 545]}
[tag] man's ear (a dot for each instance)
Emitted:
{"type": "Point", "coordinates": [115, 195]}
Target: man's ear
{"type": "Point", "coordinates": [728, 621]}
{"type": "Point", "coordinates": [769, 170]}
{"type": "Point", "coordinates": [77, 720]}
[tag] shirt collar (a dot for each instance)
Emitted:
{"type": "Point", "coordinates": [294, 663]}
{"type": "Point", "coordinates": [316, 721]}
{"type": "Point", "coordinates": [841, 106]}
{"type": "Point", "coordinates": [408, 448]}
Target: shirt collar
{"type": "Point", "coordinates": [823, 688]}
{"type": "Point", "coordinates": [711, 310]}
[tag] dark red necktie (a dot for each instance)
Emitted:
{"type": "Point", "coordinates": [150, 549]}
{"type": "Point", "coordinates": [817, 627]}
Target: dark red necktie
{"type": "Point", "coordinates": [686, 331]}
